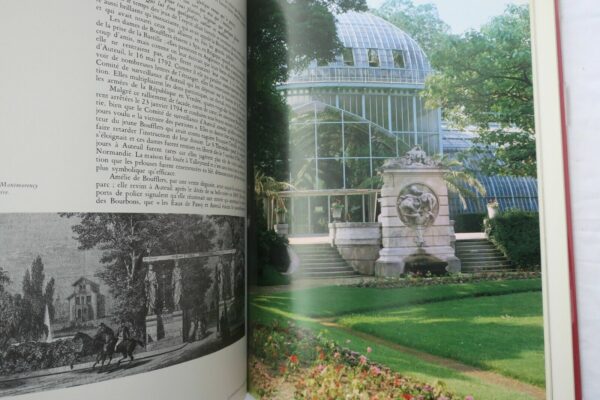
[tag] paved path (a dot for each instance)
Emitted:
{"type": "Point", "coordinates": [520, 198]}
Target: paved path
{"type": "Point", "coordinates": [486, 376]}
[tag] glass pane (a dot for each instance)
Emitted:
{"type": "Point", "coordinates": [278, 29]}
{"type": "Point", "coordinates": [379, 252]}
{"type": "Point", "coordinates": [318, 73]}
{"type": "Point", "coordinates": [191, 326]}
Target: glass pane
{"type": "Point", "coordinates": [373, 58]}
{"type": "Point", "coordinates": [329, 114]}
{"type": "Point", "coordinates": [330, 174]}
{"type": "Point", "coordinates": [329, 140]}
{"type": "Point", "coordinates": [299, 215]}
{"type": "Point", "coordinates": [303, 174]}
{"type": "Point", "coordinates": [351, 103]}
{"type": "Point", "coordinates": [355, 209]}
{"type": "Point", "coordinates": [302, 140]}
{"type": "Point", "coordinates": [358, 173]}
{"type": "Point", "coordinates": [319, 217]}
{"type": "Point", "coordinates": [348, 57]}
{"type": "Point", "coordinates": [398, 58]}
{"type": "Point", "coordinates": [356, 139]}
{"type": "Point", "coordinates": [377, 110]}
{"type": "Point", "coordinates": [383, 143]}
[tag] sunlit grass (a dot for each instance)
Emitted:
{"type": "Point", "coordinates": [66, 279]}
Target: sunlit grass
{"type": "Point", "coordinates": [331, 301]}
{"type": "Point", "coordinates": [492, 325]}
{"type": "Point", "coordinates": [501, 333]}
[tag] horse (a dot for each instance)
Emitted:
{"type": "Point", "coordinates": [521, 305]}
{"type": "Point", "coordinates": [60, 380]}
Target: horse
{"type": "Point", "coordinates": [126, 348]}
{"type": "Point", "coordinates": [106, 341]}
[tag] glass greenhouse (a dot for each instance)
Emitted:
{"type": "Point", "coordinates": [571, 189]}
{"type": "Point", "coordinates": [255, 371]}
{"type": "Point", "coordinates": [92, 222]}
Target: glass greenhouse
{"type": "Point", "coordinates": [350, 115]}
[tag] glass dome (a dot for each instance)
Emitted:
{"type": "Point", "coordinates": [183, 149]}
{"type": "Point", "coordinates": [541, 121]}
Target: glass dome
{"type": "Point", "coordinates": [375, 51]}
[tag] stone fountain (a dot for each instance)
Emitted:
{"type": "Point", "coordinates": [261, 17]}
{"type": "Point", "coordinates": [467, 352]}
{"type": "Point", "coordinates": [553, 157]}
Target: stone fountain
{"type": "Point", "coordinates": [415, 221]}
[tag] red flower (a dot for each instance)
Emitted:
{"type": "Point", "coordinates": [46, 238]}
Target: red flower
{"type": "Point", "coordinates": [407, 396]}
{"type": "Point", "coordinates": [294, 359]}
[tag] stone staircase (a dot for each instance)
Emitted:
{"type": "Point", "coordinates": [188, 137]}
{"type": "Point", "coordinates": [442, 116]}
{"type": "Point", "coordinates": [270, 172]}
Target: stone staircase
{"type": "Point", "coordinates": [321, 261]}
{"type": "Point", "coordinates": [480, 255]}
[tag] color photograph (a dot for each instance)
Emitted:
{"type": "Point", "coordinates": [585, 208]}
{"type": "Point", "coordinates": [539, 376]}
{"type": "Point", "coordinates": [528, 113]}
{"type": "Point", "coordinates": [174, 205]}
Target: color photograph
{"type": "Point", "coordinates": [396, 201]}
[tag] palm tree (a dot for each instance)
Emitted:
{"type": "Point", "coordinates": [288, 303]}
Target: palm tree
{"type": "Point", "coordinates": [459, 180]}
{"type": "Point", "coordinates": [267, 190]}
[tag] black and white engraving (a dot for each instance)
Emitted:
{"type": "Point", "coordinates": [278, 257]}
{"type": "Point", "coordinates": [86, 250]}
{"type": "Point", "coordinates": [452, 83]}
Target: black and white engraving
{"type": "Point", "coordinates": [86, 297]}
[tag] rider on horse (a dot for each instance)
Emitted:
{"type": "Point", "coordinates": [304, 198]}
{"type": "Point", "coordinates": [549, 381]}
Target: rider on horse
{"type": "Point", "coordinates": [122, 334]}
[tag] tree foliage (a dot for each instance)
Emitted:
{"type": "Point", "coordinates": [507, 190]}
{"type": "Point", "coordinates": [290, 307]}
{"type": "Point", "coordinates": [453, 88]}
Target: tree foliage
{"type": "Point", "coordinates": [460, 180]}
{"type": "Point", "coordinates": [126, 238]}
{"type": "Point", "coordinates": [483, 79]}
{"type": "Point", "coordinates": [33, 298]}
{"type": "Point", "coordinates": [421, 22]}
{"type": "Point", "coordinates": [22, 316]}
{"type": "Point", "coordinates": [282, 36]}
{"type": "Point", "coordinates": [4, 279]}
{"type": "Point", "coordinates": [11, 316]}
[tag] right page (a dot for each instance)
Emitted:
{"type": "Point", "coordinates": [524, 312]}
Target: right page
{"type": "Point", "coordinates": [396, 202]}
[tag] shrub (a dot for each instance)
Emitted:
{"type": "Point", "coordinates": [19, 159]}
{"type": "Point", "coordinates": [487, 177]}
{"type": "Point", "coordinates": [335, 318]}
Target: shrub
{"type": "Point", "coordinates": [272, 250]}
{"type": "Point", "coordinates": [470, 222]}
{"type": "Point", "coordinates": [517, 234]}
{"type": "Point", "coordinates": [271, 277]}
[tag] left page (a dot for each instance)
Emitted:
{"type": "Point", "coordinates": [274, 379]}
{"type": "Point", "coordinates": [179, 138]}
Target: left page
{"type": "Point", "coordinates": [122, 199]}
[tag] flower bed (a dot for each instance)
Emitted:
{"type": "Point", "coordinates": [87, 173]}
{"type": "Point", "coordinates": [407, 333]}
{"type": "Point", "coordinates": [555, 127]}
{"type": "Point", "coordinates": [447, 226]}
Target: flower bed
{"type": "Point", "coordinates": [295, 363]}
{"type": "Point", "coordinates": [411, 280]}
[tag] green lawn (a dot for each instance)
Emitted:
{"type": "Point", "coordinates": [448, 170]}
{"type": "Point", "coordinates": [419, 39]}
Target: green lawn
{"type": "Point", "coordinates": [501, 333]}
{"type": "Point", "coordinates": [332, 301]}
{"type": "Point", "coordinates": [440, 316]}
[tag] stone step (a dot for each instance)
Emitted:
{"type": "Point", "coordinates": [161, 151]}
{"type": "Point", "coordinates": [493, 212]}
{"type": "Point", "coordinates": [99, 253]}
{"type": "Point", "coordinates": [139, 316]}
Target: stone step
{"type": "Point", "coordinates": [477, 251]}
{"type": "Point", "coordinates": [462, 245]}
{"type": "Point", "coordinates": [325, 275]}
{"type": "Point", "coordinates": [325, 269]}
{"type": "Point", "coordinates": [323, 258]}
{"type": "Point", "coordinates": [313, 255]}
{"type": "Point", "coordinates": [311, 246]}
{"type": "Point", "coordinates": [484, 260]}
{"type": "Point", "coordinates": [324, 264]}
{"type": "Point", "coordinates": [321, 261]}
{"type": "Point", "coordinates": [485, 264]}
{"type": "Point", "coordinates": [487, 270]}
{"type": "Point", "coordinates": [479, 255]}
{"type": "Point", "coordinates": [316, 252]}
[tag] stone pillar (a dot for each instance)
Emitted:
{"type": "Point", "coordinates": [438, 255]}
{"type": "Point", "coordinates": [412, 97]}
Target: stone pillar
{"type": "Point", "coordinates": [414, 217]}
{"type": "Point", "coordinates": [151, 330]}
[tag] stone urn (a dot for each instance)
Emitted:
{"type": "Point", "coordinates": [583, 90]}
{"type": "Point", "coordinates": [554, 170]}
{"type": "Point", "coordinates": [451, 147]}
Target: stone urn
{"type": "Point", "coordinates": [280, 215]}
{"type": "Point", "coordinates": [492, 209]}
{"type": "Point", "coordinates": [336, 212]}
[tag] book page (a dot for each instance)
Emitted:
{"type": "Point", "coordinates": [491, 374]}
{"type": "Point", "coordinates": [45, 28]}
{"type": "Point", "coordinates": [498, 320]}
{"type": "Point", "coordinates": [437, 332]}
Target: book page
{"type": "Point", "coordinates": [580, 86]}
{"type": "Point", "coordinates": [123, 199]}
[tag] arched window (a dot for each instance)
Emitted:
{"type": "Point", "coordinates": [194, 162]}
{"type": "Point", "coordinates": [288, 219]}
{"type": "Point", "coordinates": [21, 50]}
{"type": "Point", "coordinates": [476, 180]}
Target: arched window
{"type": "Point", "coordinates": [373, 57]}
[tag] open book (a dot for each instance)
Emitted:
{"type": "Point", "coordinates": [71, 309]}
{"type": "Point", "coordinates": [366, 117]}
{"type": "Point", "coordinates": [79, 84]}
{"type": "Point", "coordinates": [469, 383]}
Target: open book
{"type": "Point", "coordinates": [377, 237]}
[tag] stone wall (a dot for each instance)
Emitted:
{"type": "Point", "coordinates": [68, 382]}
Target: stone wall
{"type": "Point", "coordinates": [358, 243]}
